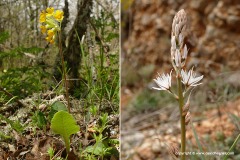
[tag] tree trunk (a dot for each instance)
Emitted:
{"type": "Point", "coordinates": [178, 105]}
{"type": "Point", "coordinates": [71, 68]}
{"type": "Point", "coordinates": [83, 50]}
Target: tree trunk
{"type": "Point", "coordinates": [72, 51]}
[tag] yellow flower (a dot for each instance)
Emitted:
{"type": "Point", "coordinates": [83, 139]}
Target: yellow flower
{"type": "Point", "coordinates": [50, 10]}
{"type": "Point", "coordinates": [51, 23]}
{"type": "Point", "coordinates": [50, 33]}
{"type": "Point", "coordinates": [48, 39]}
{"type": "Point", "coordinates": [52, 41]}
{"type": "Point", "coordinates": [42, 17]}
{"type": "Point", "coordinates": [58, 15]}
{"type": "Point", "coordinates": [43, 29]}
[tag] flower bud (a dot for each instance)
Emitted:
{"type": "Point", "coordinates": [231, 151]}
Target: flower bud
{"type": "Point", "coordinates": [187, 118]}
{"type": "Point", "coordinates": [173, 150]}
{"type": "Point", "coordinates": [185, 109]}
{"type": "Point", "coordinates": [180, 30]}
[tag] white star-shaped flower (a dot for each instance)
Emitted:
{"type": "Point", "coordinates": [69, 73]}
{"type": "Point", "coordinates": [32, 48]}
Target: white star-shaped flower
{"type": "Point", "coordinates": [190, 79]}
{"type": "Point", "coordinates": [163, 82]}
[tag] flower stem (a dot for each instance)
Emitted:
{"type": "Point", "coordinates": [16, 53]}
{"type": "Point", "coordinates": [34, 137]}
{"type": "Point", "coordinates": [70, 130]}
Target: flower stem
{"type": "Point", "coordinates": [183, 129]}
{"type": "Point", "coordinates": [64, 71]}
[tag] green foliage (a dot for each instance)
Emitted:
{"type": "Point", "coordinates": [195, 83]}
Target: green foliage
{"type": "Point", "coordinates": [101, 147]}
{"type": "Point", "coordinates": [22, 81]}
{"type": "Point", "coordinates": [19, 52]}
{"type": "Point", "coordinates": [39, 119]}
{"type": "Point", "coordinates": [4, 137]}
{"type": "Point", "coordinates": [111, 36]}
{"type": "Point", "coordinates": [16, 125]}
{"type": "Point", "coordinates": [103, 123]}
{"type": "Point", "coordinates": [198, 141]}
{"type": "Point", "coordinates": [50, 152]}
{"type": "Point", "coordinates": [3, 98]}
{"type": "Point", "coordinates": [233, 146]}
{"type": "Point", "coordinates": [104, 146]}
{"type": "Point", "coordinates": [93, 110]}
{"type": "Point", "coordinates": [101, 69]}
{"type": "Point", "coordinates": [4, 36]}
{"type": "Point", "coordinates": [64, 124]}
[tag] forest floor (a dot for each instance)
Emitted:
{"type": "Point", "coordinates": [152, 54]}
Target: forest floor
{"type": "Point", "coordinates": [26, 133]}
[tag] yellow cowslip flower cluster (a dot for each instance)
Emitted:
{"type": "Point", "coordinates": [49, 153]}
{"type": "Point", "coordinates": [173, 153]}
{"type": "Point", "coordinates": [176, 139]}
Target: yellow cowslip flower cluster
{"type": "Point", "coordinates": [50, 23]}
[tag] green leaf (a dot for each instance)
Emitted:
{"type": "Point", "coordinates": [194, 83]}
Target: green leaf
{"type": "Point", "coordinates": [58, 106]}
{"type": "Point", "coordinates": [55, 107]}
{"type": "Point", "coordinates": [198, 141]}
{"type": "Point", "coordinates": [64, 124]}
{"type": "Point", "coordinates": [232, 147]}
{"type": "Point", "coordinates": [4, 137]}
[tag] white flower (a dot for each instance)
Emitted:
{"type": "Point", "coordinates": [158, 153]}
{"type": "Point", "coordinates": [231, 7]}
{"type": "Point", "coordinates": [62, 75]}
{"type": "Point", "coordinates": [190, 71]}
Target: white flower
{"type": "Point", "coordinates": [163, 82]}
{"type": "Point", "coordinates": [190, 79]}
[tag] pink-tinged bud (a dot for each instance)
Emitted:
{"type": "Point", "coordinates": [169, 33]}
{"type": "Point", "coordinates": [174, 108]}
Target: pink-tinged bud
{"type": "Point", "coordinates": [180, 39]}
{"type": "Point", "coordinates": [185, 52]}
{"type": "Point", "coordinates": [187, 118]}
{"type": "Point", "coordinates": [185, 109]}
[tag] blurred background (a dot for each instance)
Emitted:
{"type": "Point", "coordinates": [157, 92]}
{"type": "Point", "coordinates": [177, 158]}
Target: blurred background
{"type": "Point", "coordinates": [149, 118]}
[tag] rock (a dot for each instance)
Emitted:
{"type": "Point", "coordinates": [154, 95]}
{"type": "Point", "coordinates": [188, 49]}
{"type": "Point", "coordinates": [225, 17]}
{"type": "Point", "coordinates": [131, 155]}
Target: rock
{"type": "Point", "coordinates": [157, 146]}
{"type": "Point", "coordinates": [134, 139]}
{"type": "Point", "coordinates": [145, 151]}
{"type": "Point", "coordinates": [42, 106]}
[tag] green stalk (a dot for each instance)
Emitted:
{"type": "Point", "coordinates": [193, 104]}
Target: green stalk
{"type": "Point", "coordinates": [232, 147]}
{"type": "Point", "coordinates": [64, 70]}
{"type": "Point", "coordinates": [67, 144]}
{"type": "Point", "coordinates": [183, 129]}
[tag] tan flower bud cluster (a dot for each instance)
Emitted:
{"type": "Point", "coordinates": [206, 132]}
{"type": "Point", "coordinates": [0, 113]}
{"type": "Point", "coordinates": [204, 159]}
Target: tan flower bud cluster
{"type": "Point", "coordinates": [173, 150]}
{"type": "Point", "coordinates": [180, 29]}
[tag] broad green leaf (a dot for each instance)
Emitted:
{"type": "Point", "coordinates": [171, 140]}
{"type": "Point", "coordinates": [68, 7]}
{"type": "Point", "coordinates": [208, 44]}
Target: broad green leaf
{"type": "Point", "coordinates": [64, 124]}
